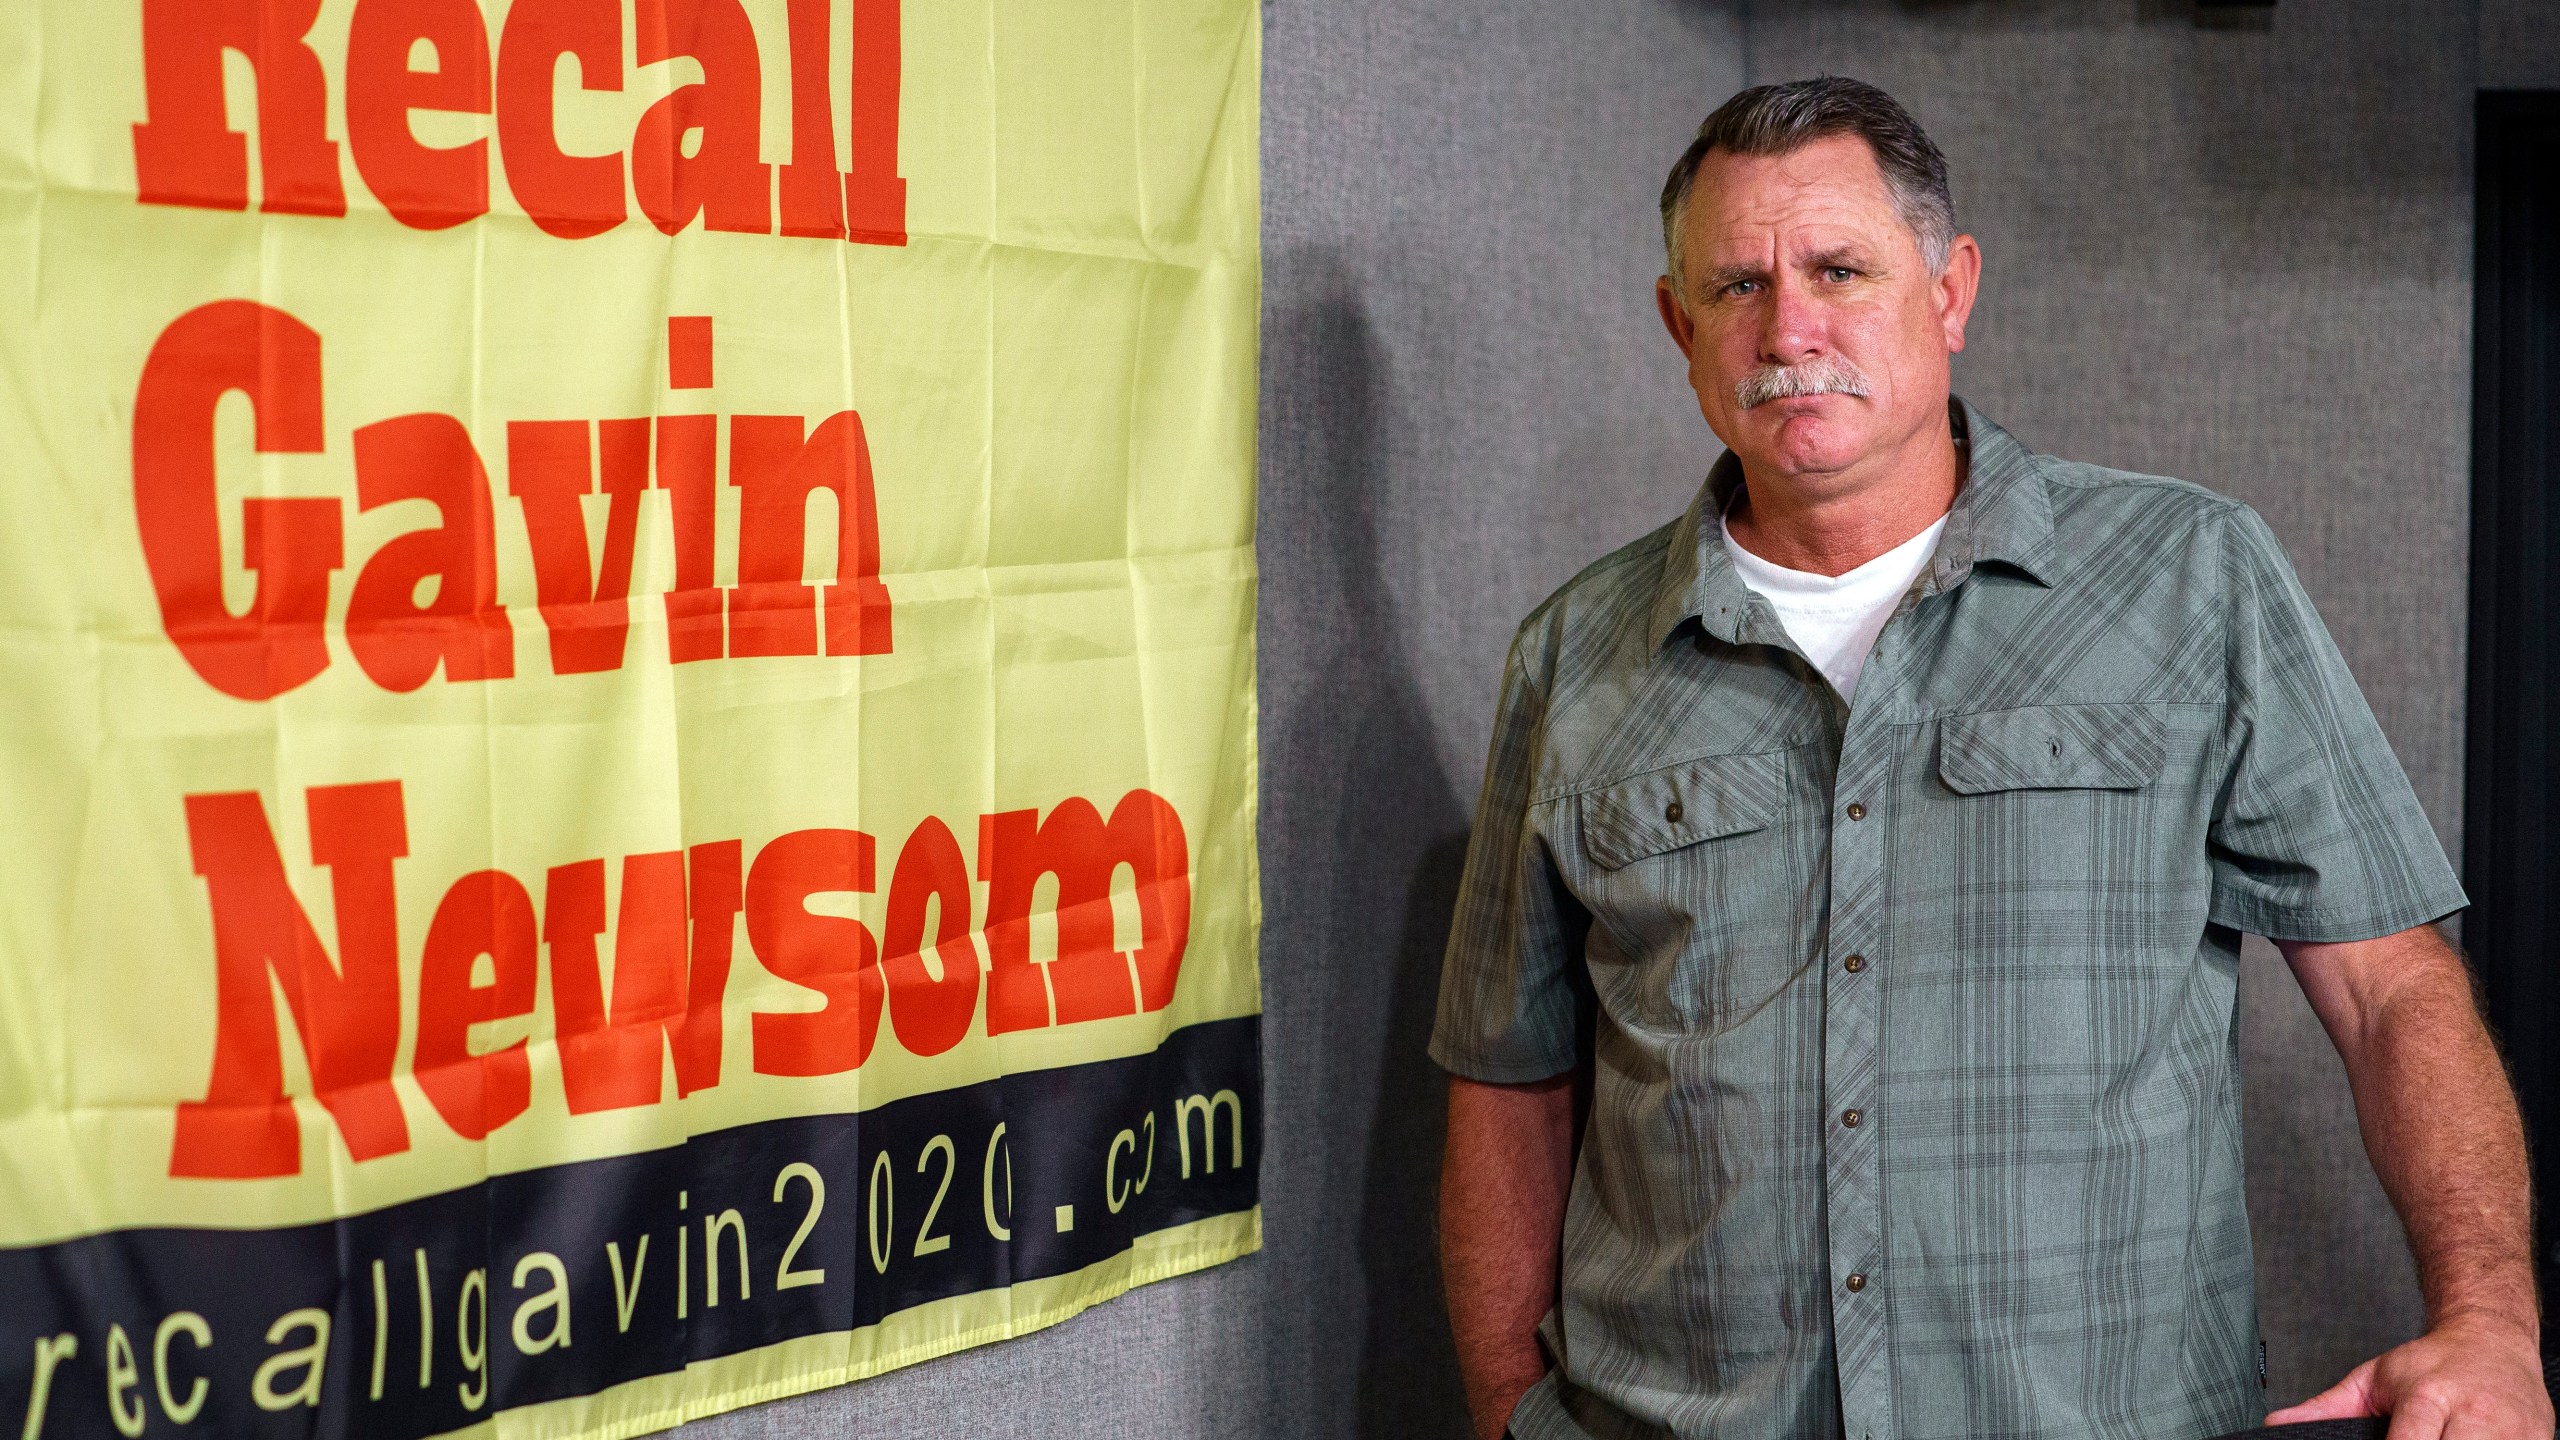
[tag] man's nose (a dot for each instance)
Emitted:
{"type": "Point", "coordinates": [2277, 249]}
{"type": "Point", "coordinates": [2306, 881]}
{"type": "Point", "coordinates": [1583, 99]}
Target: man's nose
{"type": "Point", "coordinates": [1791, 328]}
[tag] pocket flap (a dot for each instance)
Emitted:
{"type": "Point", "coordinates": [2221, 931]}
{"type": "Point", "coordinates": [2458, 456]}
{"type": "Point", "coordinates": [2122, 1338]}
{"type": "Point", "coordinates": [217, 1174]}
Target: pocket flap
{"type": "Point", "coordinates": [2053, 747]}
{"type": "Point", "coordinates": [1680, 805]}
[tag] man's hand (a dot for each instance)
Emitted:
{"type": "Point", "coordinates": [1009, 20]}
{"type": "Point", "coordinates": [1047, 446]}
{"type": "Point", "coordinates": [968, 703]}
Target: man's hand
{"type": "Point", "coordinates": [2440, 1124]}
{"type": "Point", "coordinates": [2477, 1381]}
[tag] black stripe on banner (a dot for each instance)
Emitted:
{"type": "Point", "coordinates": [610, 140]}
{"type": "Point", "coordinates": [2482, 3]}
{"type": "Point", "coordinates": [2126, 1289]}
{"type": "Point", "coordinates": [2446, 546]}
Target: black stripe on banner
{"type": "Point", "coordinates": [438, 1311]}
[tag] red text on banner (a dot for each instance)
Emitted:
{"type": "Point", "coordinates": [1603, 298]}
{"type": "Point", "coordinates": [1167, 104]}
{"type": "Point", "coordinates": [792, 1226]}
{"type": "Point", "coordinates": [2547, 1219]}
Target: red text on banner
{"type": "Point", "coordinates": [582, 579]}
{"type": "Point", "coordinates": [693, 157]}
{"type": "Point", "coordinates": [672, 931]}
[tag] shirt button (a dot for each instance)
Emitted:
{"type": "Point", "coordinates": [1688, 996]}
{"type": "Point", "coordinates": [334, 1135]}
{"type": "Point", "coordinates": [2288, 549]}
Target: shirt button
{"type": "Point", "coordinates": [1857, 1281]}
{"type": "Point", "coordinates": [1673, 812]}
{"type": "Point", "coordinates": [1857, 812]}
{"type": "Point", "coordinates": [1854, 964]}
{"type": "Point", "coordinates": [1851, 1118]}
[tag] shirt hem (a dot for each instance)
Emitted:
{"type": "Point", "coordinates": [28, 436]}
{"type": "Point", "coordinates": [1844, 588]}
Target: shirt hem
{"type": "Point", "coordinates": [2331, 925]}
{"type": "Point", "coordinates": [1496, 1072]}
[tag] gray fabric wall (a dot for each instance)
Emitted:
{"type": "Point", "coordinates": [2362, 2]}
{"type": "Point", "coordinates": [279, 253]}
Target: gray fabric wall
{"type": "Point", "coordinates": [2519, 44]}
{"type": "Point", "coordinates": [1465, 398]}
{"type": "Point", "coordinates": [2239, 255]}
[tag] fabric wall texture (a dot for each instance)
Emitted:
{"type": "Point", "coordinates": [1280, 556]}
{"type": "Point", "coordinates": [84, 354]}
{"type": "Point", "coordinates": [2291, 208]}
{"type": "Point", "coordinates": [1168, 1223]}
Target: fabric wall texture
{"type": "Point", "coordinates": [2519, 45]}
{"type": "Point", "coordinates": [2240, 255]}
{"type": "Point", "coordinates": [1465, 398]}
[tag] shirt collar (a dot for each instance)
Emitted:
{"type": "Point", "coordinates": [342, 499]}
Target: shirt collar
{"type": "Point", "coordinates": [2002, 514]}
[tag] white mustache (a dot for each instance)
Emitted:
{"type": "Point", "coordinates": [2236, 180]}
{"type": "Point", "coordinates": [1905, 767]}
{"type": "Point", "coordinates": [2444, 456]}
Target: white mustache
{"type": "Point", "coordinates": [1821, 375]}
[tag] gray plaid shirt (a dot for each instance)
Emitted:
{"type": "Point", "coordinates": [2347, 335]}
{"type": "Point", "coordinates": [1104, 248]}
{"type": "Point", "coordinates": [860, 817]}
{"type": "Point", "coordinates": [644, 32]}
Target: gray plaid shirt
{"type": "Point", "coordinates": [1915, 1106]}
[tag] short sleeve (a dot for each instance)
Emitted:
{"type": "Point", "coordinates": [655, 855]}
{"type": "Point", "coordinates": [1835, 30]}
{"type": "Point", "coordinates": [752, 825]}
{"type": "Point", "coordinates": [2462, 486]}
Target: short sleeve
{"type": "Point", "coordinates": [2316, 834]}
{"type": "Point", "coordinates": [1511, 986]}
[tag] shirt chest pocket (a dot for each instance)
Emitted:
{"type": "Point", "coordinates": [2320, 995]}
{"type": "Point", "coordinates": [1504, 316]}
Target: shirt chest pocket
{"type": "Point", "coordinates": [2052, 747]}
{"type": "Point", "coordinates": [2060, 836]}
{"type": "Point", "coordinates": [1693, 889]}
{"type": "Point", "coordinates": [1680, 805]}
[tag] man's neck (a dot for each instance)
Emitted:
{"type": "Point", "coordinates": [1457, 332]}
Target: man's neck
{"type": "Point", "coordinates": [1825, 529]}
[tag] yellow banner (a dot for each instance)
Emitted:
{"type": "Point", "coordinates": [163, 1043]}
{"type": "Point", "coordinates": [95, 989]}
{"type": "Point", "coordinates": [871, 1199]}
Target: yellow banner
{"type": "Point", "coordinates": [630, 748]}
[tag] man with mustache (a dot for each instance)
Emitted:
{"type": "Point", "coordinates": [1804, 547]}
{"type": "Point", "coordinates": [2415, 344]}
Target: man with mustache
{"type": "Point", "coordinates": [1840, 1004]}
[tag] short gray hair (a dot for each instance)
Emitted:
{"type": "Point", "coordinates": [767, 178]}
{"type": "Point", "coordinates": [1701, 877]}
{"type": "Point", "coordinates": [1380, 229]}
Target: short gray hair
{"type": "Point", "coordinates": [1778, 119]}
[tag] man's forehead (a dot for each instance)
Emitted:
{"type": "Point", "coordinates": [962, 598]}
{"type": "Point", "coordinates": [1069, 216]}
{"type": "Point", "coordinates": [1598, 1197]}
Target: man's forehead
{"type": "Point", "coordinates": [1758, 244]}
{"type": "Point", "coordinates": [1831, 186]}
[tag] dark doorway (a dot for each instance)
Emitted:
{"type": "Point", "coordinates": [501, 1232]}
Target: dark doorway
{"type": "Point", "coordinates": [2511, 835]}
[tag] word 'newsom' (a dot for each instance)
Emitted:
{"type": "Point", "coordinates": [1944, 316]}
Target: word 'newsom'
{"type": "Point", "coordinates": [672, 934]}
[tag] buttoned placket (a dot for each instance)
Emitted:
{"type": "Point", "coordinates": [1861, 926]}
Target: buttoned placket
{"type": "Point", "coordinates": [1857, 961]}
{"type": "Point", "coordinates": [1853, 1189]}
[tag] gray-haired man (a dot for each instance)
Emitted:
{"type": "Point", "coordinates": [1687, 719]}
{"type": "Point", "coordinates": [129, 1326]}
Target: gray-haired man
{"type": "Point", "coordinates": [1840, 1003]}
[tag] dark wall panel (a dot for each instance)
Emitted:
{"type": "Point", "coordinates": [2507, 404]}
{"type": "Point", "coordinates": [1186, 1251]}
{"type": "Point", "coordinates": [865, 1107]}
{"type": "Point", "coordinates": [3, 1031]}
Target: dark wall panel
{"type": "Point", "coordinates": [2514, 759]}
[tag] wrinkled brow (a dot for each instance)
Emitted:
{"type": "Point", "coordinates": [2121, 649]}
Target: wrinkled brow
{"type": "Point", "coordinates": [1848, 255]}
{"type": "Point", "coordinates": [1723, 275]}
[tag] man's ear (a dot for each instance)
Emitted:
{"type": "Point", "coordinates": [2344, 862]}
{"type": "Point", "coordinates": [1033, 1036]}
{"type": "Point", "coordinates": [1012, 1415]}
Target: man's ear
{"type": "Point", "coordinates": [1955, 288]}
{"type": "Point", "coordinates": [1675, 316]}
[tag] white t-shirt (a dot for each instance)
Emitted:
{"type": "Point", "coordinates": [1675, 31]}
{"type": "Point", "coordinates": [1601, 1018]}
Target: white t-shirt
{"type": "Point", "coordinates": [1834, 619]}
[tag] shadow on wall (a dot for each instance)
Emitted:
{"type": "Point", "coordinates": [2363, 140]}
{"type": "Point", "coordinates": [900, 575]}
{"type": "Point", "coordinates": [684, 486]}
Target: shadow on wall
{"type": "Point", "coordinates": [1363, 824]}
{"type": "Point", "coordinates": [1409, 1382]}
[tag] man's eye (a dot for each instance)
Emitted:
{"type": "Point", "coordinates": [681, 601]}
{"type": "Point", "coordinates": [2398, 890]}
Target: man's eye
{"type": "Point", "coordinates": [1739, 286]}
{"type": "Point", "coordinates": [1839, 272]}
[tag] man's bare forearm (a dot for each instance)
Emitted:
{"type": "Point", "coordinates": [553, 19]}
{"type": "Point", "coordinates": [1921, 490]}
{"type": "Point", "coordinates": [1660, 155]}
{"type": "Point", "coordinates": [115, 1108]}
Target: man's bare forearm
{"type": "Point", "coordinates": [1503, 1182]}
{"type": "Point", "coordinates": [2438, 1117]}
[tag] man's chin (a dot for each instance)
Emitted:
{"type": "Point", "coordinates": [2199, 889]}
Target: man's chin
{"type": "Point", "coordinates": [1802, 440]}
